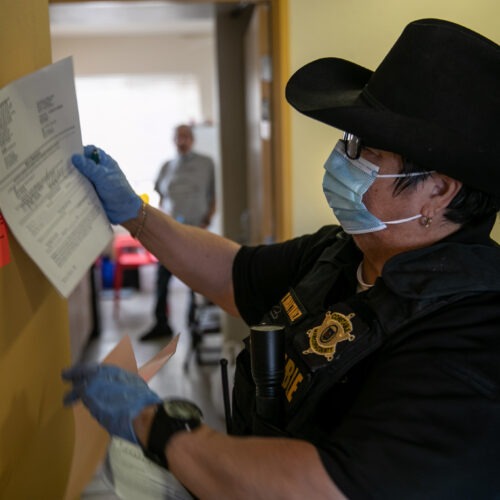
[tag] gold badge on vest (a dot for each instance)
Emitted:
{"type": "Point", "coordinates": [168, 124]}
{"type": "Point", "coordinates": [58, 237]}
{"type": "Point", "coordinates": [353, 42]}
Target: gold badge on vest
{"type": "Point", "coordinates": [323, 339]}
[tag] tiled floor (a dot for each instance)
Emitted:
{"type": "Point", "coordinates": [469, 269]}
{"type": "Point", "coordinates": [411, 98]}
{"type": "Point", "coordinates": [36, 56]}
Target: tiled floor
{"type": "Point", "coordinates": [200, 384]}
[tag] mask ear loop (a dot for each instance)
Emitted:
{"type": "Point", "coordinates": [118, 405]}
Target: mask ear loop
{"type": "Point", "coordinates": [400, 221]}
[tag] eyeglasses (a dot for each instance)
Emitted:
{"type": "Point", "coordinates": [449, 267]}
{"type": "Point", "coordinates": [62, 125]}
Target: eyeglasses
{"type": "Point", "coordinates": [352, 146]}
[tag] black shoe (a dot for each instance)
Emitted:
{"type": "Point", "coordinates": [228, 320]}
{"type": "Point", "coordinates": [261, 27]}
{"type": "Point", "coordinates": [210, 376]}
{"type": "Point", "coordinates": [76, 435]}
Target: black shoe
{"type": "Point", "coordinates": [157, 332]}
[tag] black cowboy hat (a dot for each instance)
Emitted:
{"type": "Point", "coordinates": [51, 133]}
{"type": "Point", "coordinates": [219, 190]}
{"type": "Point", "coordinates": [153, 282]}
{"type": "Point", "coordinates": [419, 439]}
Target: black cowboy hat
{"type": "Point", "coordinates": [435, 99]}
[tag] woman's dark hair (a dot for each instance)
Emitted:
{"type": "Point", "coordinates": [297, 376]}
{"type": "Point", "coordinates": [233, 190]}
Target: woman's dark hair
{"type": "Point", "coordinates": [468, 205]}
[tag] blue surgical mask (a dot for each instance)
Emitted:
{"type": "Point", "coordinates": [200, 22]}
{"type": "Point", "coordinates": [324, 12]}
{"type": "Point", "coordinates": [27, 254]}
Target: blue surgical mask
{"type": "Point", "coordinates": [344, 184]}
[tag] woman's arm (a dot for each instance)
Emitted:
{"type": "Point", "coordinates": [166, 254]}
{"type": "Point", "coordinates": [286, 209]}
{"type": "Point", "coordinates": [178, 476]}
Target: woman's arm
{"type": "Point", "coordinates": [213, 465]}
{"type": "Point", "coordinates": [201, 259]}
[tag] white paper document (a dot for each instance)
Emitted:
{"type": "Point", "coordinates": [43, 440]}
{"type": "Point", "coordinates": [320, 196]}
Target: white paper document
{"type": "Point", "coordinates": [53, 211]}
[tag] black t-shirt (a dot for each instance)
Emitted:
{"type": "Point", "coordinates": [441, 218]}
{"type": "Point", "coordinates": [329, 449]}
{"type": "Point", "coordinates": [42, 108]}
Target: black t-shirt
{"type": "Point", "coordinates": [418, 418]}
{"type": "Point", "coordinates": [264, 273]}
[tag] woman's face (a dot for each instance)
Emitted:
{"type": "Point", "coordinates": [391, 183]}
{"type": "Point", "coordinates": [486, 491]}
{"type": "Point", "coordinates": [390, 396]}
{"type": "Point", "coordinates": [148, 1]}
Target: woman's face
{"type": "Point", "coordinates": [381, 202]}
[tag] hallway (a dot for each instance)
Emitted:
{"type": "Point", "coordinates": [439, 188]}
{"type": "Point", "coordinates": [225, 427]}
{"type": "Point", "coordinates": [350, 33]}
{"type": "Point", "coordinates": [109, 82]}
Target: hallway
{"type": "Point", "coordinates": [200, 384]}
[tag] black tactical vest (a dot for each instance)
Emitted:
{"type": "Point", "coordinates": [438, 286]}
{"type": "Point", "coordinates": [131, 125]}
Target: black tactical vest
{"type": "Point", "coordinates": [332, 334]}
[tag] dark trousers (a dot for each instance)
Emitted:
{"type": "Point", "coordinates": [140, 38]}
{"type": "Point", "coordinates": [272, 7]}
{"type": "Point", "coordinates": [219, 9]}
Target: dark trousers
{"type": "Point", "coordinates": [163, 276]}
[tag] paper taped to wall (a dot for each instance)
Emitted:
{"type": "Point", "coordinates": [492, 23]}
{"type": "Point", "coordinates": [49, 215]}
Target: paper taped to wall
{"type": "Point", "coordinates": [52, 211]}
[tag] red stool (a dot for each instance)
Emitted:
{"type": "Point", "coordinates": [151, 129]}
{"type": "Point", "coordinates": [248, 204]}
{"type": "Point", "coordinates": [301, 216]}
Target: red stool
{"type": "Point", "coordinates": [128, 254]}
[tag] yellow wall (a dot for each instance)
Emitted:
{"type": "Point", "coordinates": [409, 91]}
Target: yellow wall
{"type": "Point", "coordinates": [361, 31]}
{"type": "Point", "coordinates": [36, 434]}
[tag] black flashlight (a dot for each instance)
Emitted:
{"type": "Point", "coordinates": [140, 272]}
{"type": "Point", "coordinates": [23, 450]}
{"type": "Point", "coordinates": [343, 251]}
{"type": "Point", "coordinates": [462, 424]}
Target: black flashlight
{"type": "Point", "coordinates": [267, 349]}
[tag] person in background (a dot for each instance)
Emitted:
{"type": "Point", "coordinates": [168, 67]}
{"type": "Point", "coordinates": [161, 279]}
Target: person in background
{"type": "Point", "coordinates": [391, 321]}
{"type": "Point", "coordinates": [186, 185]}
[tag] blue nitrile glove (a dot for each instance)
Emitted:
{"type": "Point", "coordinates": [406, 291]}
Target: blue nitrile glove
{"type": "Point", "coordinates": [119, 200]}
{"type": "Point", "coordinates": [113, 396]}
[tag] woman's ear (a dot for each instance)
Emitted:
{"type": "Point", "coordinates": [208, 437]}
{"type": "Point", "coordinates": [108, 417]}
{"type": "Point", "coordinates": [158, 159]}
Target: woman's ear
{"type": "Point", "coordinates": [442, 191]}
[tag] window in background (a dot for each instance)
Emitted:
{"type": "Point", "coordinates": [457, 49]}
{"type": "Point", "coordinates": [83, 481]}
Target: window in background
{"type": "Point", "coordinates": [132, 117]}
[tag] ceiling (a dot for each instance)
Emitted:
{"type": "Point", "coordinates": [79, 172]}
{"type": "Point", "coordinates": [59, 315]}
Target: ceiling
{"type": "Point", "coordinates": [129, 18]}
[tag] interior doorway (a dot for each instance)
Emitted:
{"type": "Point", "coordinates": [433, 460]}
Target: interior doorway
{"type": "Point", "coordinates": [240, 94]}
